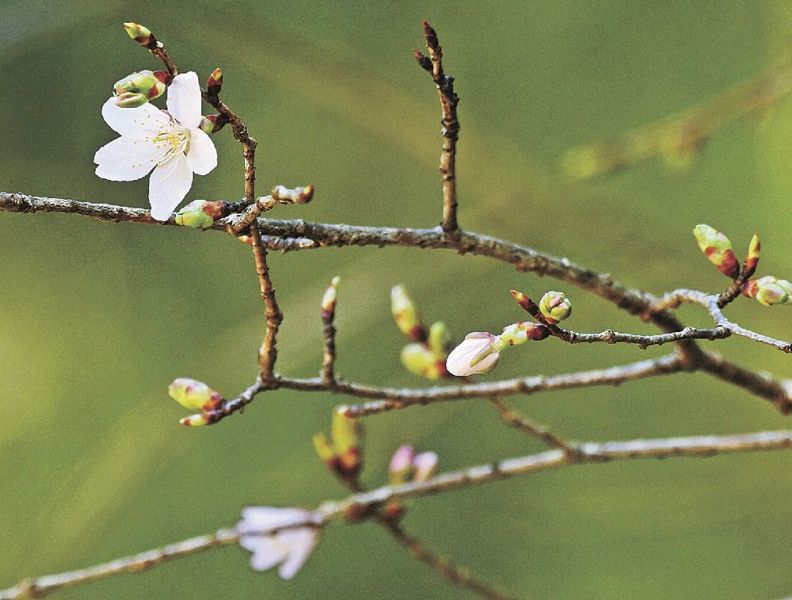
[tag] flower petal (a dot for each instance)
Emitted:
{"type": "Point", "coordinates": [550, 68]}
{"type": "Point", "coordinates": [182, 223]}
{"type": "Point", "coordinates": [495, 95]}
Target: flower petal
{"type": "Point", "coordinates": [261, 518]}
{"type": "Point", "coordinates": [202, 156]}
{"type": "Point", "coordinates": [301, 543]}
{"type": "Point", "coordinates": [266, 558]}
{"type": "Point", "coordinates": [184, 100]}
{"type": "Point", "coordinates": [168, 186]}
{"type": "Point", "coordinates": [125, 159]}
{"type": "Point", "coordinates": [136, 123]}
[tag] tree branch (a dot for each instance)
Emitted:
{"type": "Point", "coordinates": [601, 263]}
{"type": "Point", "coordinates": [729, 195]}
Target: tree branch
{"type": "Point", "coordinates": [433, 64]}
{"type": "Point", "coordinates": [367, 502]}
{"type": "Point", "coordinates": [522, 258]}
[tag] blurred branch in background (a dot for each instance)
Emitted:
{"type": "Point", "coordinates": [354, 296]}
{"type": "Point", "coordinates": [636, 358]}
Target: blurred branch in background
{"type": "Point", "coordinates": [363, 504]}
{"type": "Point", "coordinates": [678, 138]}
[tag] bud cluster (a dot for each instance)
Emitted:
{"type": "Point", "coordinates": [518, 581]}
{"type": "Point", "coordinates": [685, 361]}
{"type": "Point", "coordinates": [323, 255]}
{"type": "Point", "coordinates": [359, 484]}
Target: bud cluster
{"type": "Point", "coordinates": [406, 466]}
{"type": "Point", "coordinates": [426, 355]}
{"type": "Point", "coordinates": [480, 351]}
{"type": "Point", "coordinates": [343, 452]}
{"type": "Point", "coordinates": [196, 395]}
{"type": "Point", "coordinates": [138, 88]}
{"type": "Point", "coordinates": [769, 290]}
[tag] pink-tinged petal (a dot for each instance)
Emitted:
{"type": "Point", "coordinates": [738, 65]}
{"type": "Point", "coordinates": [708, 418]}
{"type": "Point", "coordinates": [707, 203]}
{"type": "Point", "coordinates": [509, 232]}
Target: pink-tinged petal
{"type": "Point", "coordinates": [168, 185]}
{"type": "Point", "coordinates": [301, 543]}
{"type": "Point", "coordinates": [184, 100]}
{"type": "Point", "coordinates": [458, 361]}
{"type": "Point", "coordinates": [202, 156]}
{"type": "Point", "coordinates": [125, 159]}
{"type": "Point", "coordinates": [136, 123]}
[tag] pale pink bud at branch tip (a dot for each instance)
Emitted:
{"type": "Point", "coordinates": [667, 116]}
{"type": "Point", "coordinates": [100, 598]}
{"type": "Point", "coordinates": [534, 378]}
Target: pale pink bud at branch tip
{"type": "Point", "coordinates": [474, 355]}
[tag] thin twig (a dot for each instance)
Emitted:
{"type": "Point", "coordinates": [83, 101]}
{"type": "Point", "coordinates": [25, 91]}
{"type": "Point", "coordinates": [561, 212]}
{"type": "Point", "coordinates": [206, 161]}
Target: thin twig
{"type": "Point", "coordinates": [279, 195]}
{"type": "Point", "coordinates": [522, 258]}
{"type": "Point", "coordinates": [268, 352]}
{"type": "Point", "coordinates": [433, 64]}
{"type": "Point", "coordinates": [530, 427]}
{"type": "Point", "coordinates": [712, 303]}
{"type": "Point", "coordinates": [136, 563]}
{"type": "Point", "coordinates": [328, 309]}
{"type": "Point", "coordinates": [442, 565]}
{"type": "Point", "coordinates": [366, 502]}
{"type": "Point", "coordinates": [387, 399]}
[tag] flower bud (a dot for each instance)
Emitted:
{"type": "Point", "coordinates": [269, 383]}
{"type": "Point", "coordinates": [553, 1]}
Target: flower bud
{"type": "Point", "coordinates": [769, 291]}
{"type": "Point", "coordinates": [345, 431]}
{"type": "Point", "coordinates": [324, 450]}
{"type": "Point", "coordinates": [202, 214]}
{"type": "Point", "coordinates": [421, 361]}
{"type": "Point", "coordinates": [519, 333]}
{"type": "Point", "coordinates": [555, 307]}
{"type": "Point", "coordinates": [438, 339]}
{"type": "Point", "coordinates": [476, 354]}
{"type": "Point", "coordinates": [401, 465]}
{"type": "Point", "coordinates": [718, 249]}
{"type": "Point", "coordinates": [215, 82]}
{"type": "Point", "coordinates": [140, 34]}
{"type": "Point", "coordinates": [524, 301]}
{"type": "Point", "coordinates": [212, 123]}
{"type": "Point", "coordinates": [151, 85]}
{"type": "Point", "coordinates": [425, 465]}
{"type": "Point", "coordinates": [198, 420]}
{"type": "Point", "coordinates": [752, 258]}
{"type": "Point", "coordinates": [130, 100]}
{"type": "Point", "coordinates": [330, 296]}
{"type": "Point", "coordinates": [406, 315]}
{"type": "Point", "coordinates": [192, 394]}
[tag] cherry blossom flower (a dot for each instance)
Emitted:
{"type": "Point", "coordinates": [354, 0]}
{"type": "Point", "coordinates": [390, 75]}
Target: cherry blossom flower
{"type": "Point", "coordinates": [169, 142]}
{"type": "Point", "coordinates": [289, 548]}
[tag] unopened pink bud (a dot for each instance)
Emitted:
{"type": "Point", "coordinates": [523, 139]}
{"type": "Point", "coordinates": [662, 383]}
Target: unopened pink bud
{"type": "Point", "coordinates": [401, 465]}
{"type": "Point", "coordinates": [474, 355]}
{"type": "Point", "coordinates": [425, 465]}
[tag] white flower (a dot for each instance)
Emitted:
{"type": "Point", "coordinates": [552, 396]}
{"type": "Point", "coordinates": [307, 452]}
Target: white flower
{"type": "Point", "coordinates": [170, 142]}
{"type": "Point", "coordinates": [477, 345]}
{"type": "Point", "coordinates": [288, 547]}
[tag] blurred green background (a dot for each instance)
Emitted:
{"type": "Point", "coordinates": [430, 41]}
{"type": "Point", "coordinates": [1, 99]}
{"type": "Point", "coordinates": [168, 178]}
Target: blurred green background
{"type": "Point", "coordinates": [97, 319]}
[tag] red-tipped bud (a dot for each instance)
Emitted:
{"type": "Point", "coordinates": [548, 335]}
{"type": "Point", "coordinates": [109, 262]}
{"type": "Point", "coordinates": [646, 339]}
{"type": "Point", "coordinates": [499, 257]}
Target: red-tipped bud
{"type": "Point", "coordinates": [752, 258]}
{"type": "Point", "coordinates": [141, 34]}
{"type": "Point", "coordinates": [769, 291]}
{"type": "Point", "coordinates": [525, 302]}
{"type": "Point", "coordinates": [212, 123]}
{"type": "Point", "coordinates": [718, 249]}
{"type": "Point", "coordinates": [215, 82]}
{"type": "Point", "coordinates": [406, 315]}
{"type": "Point", "coordinates": [201, 214]}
